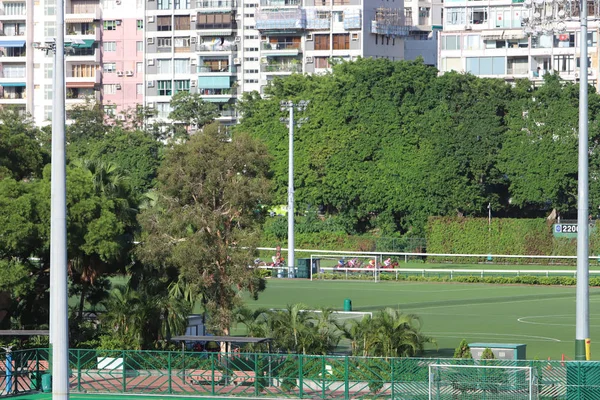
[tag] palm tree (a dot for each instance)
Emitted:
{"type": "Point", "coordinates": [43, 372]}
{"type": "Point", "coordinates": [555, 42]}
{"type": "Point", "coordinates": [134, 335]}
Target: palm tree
{"type": "Point", "coordinates": [124, 317]}
{"type": "Point", "coordinates": [290, 328]}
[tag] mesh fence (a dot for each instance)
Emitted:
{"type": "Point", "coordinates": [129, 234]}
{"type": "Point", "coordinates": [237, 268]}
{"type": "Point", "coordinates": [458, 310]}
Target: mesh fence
{"type": "Point", "coordinates": [298, 376]}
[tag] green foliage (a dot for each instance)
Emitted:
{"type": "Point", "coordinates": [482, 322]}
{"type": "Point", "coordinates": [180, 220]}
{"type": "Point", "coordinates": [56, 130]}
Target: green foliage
{"type": "Point", "coordinates": [203, 225]}
{"type": "Point", "coordinates": [487, 354]}
{"type": "Point", "coordinates": [190, 110]}
{"type": "Point", "coordinates": [463, 350]}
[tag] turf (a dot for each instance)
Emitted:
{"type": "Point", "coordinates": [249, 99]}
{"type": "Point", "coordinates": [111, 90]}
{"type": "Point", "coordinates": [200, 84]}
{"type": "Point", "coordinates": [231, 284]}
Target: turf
{"type": "Point", "coordinates": [542, 317]}
{"type": "Point", "coordinates": [120, 396]}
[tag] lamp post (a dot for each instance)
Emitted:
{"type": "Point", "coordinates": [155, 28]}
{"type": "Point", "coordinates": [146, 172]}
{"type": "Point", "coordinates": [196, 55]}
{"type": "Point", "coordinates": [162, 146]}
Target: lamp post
{"type": "Point", "coordinates": [547, 17]}
{"type": "Point", "coordinates": [59, 320]}
{"type": "Point", "coordinates": [289, 106]}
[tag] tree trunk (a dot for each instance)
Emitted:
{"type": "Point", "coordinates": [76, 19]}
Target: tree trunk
{"type": "Point", "coordinates": [84, 287]}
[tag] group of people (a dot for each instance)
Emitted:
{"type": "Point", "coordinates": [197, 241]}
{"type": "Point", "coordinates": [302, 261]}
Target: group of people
{"type": "Point", "coordinates": [355, 263]}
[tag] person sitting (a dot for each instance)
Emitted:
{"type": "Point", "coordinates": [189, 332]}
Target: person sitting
{"type": "Point", "coordinates": [371, 263]}
{"type": "Point", "coordinates": [341, 263]}
{"type": "Point", "coordinates": [387, 263]}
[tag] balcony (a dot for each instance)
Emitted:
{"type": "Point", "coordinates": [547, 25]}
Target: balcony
{"type": "Point", "coordinates": [83, 80]}
{"type": "Point", "coordinates": [280, 3]}
{"type": "Point", "coordinates": [281, 68]}
{"type": "Point", "coordinates": [88, 54]}
{"type": "Point", "coordinates": [12, 95]}
{"type": "Point", "coordinates": [382, 28]}
{"type": "Point", "coordinates": [13, 15]}
{"type": "Point", "coordinates": [78, 31]}
{"type": "Point", "coordinates": [205, 6]}
{"type": "Point", "coordinates": [217, 95]}
{"type": "Point", "coordinates": [216, 47]}
{"type": "Point", "coordinates": [284, 19]}
{"type": "Point", "coordinates": [216, 69]}
{"type": "Point", "coordinates": [83, 14]}
{"type": "Point", "coordinates": [281, 49]}
{"type": "Point", "coordinates": [10, 53]}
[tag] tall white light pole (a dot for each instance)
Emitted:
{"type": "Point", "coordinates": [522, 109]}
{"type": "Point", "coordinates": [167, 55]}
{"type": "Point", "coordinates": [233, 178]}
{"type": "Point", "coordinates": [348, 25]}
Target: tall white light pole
{"type": "Point", "coordinates": [289, 106]}
{"type": "Point", "coordinates": [59, 323]}
{"type": "Point", "coordinates": [547, 17]}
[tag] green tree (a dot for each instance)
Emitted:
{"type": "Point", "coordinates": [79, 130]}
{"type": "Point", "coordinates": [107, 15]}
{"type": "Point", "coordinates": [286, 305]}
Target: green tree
{"type": "Point", "coordinates": [190, 110]}
{"type": "Point", "coordinates": [204, 221]}
{"type": "Point", "coordinates": [463, 350]}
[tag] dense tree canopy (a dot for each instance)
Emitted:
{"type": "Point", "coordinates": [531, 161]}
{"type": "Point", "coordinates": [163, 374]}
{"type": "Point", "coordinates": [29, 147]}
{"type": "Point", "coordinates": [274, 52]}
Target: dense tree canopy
{"type": "Point", "coordinates": [389, 144]}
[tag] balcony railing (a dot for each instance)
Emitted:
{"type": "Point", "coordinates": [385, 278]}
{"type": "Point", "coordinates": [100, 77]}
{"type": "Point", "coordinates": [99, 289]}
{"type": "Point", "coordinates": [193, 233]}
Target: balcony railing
{"type": "Point", "coordinates": [216, 4]}
{"type": "Point", "coordinates": [18, 14]}
{"type": "Point", "coordinates": [279, 3]}
{"type": "Point", "coordinates": [281, 68]}
{"type": "Point", "coordinates": [13, 95]}
{"type": "Point", "coordinates": [12, 34]}
{"type": "Point", "coordinates": [222, 68]}
{"type": "Point", "coordinates": [281, 46]}
{"type": "Point", "coordinates": [215, 47]}
{"type": "Point", "coordinates": [217, 92]}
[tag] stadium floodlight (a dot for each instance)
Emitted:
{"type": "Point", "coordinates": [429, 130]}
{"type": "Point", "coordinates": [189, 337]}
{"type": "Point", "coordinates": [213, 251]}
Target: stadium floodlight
{"type": "Point", "coordinates": [548, 16]}
{"type": "Point", "coordinates": [290, 106]}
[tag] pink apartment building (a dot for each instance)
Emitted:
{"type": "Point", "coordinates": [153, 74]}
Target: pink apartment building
{"type": "Point", "coordinates": [122, 59]}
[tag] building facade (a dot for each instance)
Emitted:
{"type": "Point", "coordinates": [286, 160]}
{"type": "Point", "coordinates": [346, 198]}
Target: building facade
{"type": "Point", "coordinates": [125, 53]}
{"type": "Point", "coordinates": [487, 38]}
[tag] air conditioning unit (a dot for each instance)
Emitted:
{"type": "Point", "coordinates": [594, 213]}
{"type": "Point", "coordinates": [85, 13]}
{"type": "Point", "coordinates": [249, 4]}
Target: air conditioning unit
{"type": "Point", "coordinates": [309, 37]}
{"type": "Point", "coordinates": [237, 61]}
{"type": "Point", "coordinates": [150, 40]}
{"type": "Point", "coordinates": [150, 83]}
{"type": "Point", "coordinates": [119, 73]}
{"type": "Point", "coordinates": [193, 83]}
{"type": "Point", "coordinates": [193, 18]}
{"type": "Point", "coordinates": [129, 73]}
{"type": "Point", "coordinates": [151, 61]}
{"type": "Point", "coordinates": [150, 105]}
{"type": "Point", "coordinates": [309, 60]}
{"type": "Point", "coordinates": [151, 18]}
{"type": "Point", "coordinates": [121, 117]}
{"type": "Point", "coordinates": [468, 27]}
{"type": "Point", "coordinates": [119, 21]}
{"type": "Point", "coordinates": [118, 86]}
{"type": "Point", "coordinates": [193, 61]}
{"type": "Point", "coordinates": [238, 39]}
{"type": "Point", "coordinates": [193, 39]}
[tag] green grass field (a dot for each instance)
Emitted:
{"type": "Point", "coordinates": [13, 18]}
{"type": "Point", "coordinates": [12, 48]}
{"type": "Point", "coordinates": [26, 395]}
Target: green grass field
{"type": "Point", "coordinates": [542, 317]}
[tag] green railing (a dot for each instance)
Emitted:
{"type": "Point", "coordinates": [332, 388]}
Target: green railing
{"type": "Point", "coordinates": [275, 375]}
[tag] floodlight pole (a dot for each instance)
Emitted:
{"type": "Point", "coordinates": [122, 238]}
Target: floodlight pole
{"type": "Point", "coordinates": [59, 323]}
{"type": "Point", "coordinates": [289, 105]}
{"type": "Point", "coordinates": [582, 331]}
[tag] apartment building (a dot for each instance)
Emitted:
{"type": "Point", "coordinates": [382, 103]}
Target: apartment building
{"type": "Point", "coordinates": [124, 53]}
{"type": "Point", "coordinates": [222, 48]}
{"type": "Point", "coordinates": [488, 39]}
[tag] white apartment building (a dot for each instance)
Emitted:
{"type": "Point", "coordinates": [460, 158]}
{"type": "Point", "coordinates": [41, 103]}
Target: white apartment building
{"type": "Point", "coordinates": [487, 38]}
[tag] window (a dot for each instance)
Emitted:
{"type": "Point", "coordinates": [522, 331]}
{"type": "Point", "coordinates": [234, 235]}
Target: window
{"type": "Point", "coordinates": [248, 15]}
{"type": "Point", "coordinates": [110, 110]}
{"type": "Point", "coordinates": [163, 66]}
{"type": "Point", "coordinates": [455, 16]}
{"type": "Point", "coordinates": [48, 69]}
{"type": "Point", "coordinates": [164, 42]}
{"type": "Point", "coordinates": [541, 42]}
{"type": "Point", "coordinates": [322, 62]}
{"type": "Point", "coordinates": [250, 58]}
{"type": "Point", "coordinates": [251, 71]}
{"type": "Point", "coordinates": [139, 88]}
{"type": "Point", "coordinates": [164, 88]}
{"type": "Point", "coordinates": [214, 21]}
{"type": "Point", "coordinates": [109, 4]}
{"type": "Point", "coordinates": [589, 62]}
{"type": "Point", "coordinates": [486, 65]}
{"type": "Point", "coordinates": [251, 37]}
{"type": "Point", "coordinates": [517, 66]}
{"type": "Point", "coordinates": [109, 46]}
{"type": "Point", "coordinates": [164, 4]}
{"type": "Point", "coordinates": [250, 80]}
{"type": "Point", "coordinates": [182, 42]}
{"type": "Point", "coordinates": [139, 46]}
{"type": "Point", "coordinates": [249, 26]}
{"type": "Point", "coordinates": [48, 92]}
{"type": "Point", "coordinates": [110, 88]}
{"type": "Point", "coordinates": [109, 68]}
{"type": "Point", "coordinates": [592, 39]}
{"type": "Point", "coordinates": [451, 64]}
{"type": "Point", "coordinates": [49, 29]}
{"type": "Point", "coordinates": [321, 42]}
{"type": "Point", "coordinates": [49, 7]}
{"type": "Point", "coordinates": [139, 67]}
{"type": "Point", "coordinates": [473, 42]}
{"type": "Point", "coordinates": [451, 42]}
{"type": "Point", "coordinates": [338, 16]}
{"type": "Point", "coordinates": [564, 63]}
{"type": "Point", "coordinates": [163, 110]}
{"type": "Point", "coordinates": [181, 66]}
{"type": "Point", "coordinates": [182, 4]}
{"type": "Point", "coordinates": [564, 40]}
{"type": "Point", "coordinates": [341, 41]}
{"type": "Point", "coordinates": [182, 23]}
{"type": "Point", "coordinates": [478, 15]}
{"type": "Point", "coordinates": [182, 86]}
{"type": "Point", "coordinates": [48, 113]}
{"type": "Point", "coordinates": [110, 25]}
{"type": "Point", "coordinates": [164, 23]}
{"type": "Point", "coordinates": [140, 24]}
{"type": "Point", "coordinates": [250, 48]}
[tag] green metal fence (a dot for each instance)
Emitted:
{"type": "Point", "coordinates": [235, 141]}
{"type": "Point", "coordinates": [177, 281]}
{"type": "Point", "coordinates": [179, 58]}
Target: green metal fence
{"type": "Point", "coordinates": [273, 375]}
